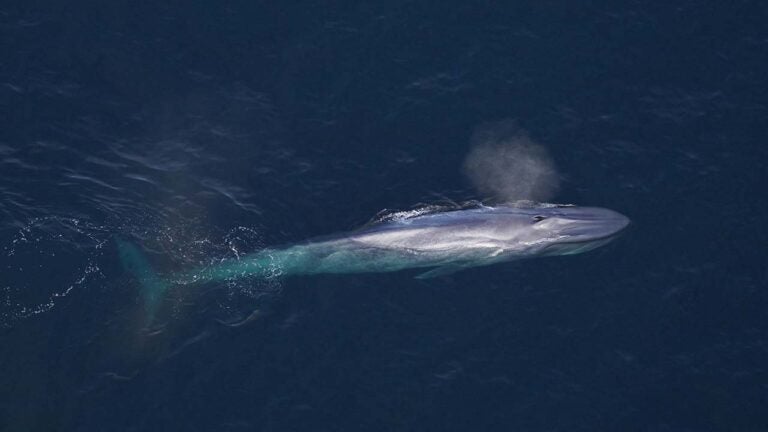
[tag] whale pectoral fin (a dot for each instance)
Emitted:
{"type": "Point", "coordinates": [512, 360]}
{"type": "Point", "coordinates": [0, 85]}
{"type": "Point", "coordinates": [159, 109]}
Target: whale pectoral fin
{"type": "Point", "coordinates": [439, 272]}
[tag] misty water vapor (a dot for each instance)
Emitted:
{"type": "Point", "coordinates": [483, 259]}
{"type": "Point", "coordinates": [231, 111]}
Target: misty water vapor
{"type": "Point", "coordinates": [506, 165]}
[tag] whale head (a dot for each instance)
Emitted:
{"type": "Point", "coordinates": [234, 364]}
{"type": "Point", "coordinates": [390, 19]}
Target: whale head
{"type": "Point", "coordinates": [564, 230]}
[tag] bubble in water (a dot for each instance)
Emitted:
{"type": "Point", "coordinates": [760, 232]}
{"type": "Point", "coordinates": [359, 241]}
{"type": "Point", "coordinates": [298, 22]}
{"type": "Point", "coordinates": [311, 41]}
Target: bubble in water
{"type": "Point", "coordinates": [45, 261]}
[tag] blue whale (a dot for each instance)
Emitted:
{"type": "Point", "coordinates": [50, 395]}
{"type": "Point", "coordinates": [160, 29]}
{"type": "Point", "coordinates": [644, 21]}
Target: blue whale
{"type": "Point", "coordinates": [439, 242]}
{"type": "Point", "coordinates": [443, 243]}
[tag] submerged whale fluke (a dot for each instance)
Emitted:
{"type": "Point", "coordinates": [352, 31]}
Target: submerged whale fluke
{"type": "Point", "coordinates": [134, 261]}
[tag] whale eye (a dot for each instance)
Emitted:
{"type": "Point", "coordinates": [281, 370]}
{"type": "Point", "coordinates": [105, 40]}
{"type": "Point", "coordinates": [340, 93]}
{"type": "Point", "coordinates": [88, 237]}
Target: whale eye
{"type": "Point", "coordinates": [539, 218]}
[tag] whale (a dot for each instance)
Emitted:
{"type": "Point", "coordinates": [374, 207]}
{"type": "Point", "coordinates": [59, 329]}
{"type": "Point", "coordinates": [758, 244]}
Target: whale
{"type": "Point", "coordinates": [439, 243]}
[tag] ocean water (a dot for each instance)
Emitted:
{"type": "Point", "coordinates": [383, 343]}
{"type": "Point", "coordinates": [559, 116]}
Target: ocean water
{"type": "Point", "coordinates": [204, 131]}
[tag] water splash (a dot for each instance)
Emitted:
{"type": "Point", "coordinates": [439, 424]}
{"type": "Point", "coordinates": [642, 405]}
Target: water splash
{"type": "Point", "coordinates": [50, 258]}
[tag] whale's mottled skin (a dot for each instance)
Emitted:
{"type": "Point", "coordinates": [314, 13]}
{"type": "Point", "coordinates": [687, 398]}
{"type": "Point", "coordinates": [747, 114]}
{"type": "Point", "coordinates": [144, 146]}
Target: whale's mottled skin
{"type": "Point", "coordinates": [442, 242]}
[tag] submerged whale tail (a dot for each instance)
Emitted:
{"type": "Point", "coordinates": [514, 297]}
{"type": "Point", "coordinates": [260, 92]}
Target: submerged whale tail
{"type": "Point", "coordinates": [135, 262]}
{"type": "Point", "coordinates": [266, 264]}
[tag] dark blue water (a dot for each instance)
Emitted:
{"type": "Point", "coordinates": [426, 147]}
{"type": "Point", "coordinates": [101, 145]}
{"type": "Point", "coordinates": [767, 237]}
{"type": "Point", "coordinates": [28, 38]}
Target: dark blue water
{"type": "Point", "coordinates": [203, 131]}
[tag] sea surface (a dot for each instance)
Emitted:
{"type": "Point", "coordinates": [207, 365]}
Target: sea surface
{"type": "Point", "coordinates": [202, 131]}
